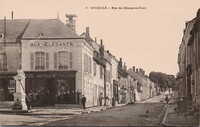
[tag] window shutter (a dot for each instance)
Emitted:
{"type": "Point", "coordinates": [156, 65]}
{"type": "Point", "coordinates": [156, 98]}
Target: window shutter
{"type": "Point", "coordinates": [47, 60]}
{"type": "Point", "coordinates": [32, 60]}
{"type": "Point", "coordinates": [55, 60]}
{"type": "Point", "coordinates": [70, 60]}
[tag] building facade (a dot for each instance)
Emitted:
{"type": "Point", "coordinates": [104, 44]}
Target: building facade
{"type": "Point", "coordinates": [189, 61]}
{"type": "Point", "coordinates": [10, 55]}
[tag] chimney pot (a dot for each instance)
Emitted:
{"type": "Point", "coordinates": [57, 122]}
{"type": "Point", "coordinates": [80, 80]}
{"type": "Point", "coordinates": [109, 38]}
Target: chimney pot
{"type": "Point", "coordinates": [134, 68]}
{"type": "Point", "coordinates": [71, 23]}
{"type": "Point", "coordinates": [96, 39]}
{"type": "Point", "coordinates": [101, 41]}
{"type": "Point", "coordinates": [12, 15]}
{"type": "Point", "coordinates": [137, 70]}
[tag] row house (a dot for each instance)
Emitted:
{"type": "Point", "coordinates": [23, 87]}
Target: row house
{"type": "Point", "coordinates": [114, 79]}
{"type": "Point", "coordinates": [98, 66]}
{"type": "Point", "coordinates": [61, 66]}
{"type": "Point", "coordinates": [10, 56]}
{"type": "Point", "coordinates": [143, 88]}
{"type": "Point", "coordinates": [189, 61]}
{"type": "Point", "coordinates": [122, 80]}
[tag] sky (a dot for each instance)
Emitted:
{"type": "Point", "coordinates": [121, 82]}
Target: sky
{"type": "Point", "coordinates": [147, 38]}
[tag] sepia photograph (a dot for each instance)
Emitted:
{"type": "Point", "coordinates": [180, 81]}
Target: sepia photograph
{"type": "Point", "coordinates": [100, 63]}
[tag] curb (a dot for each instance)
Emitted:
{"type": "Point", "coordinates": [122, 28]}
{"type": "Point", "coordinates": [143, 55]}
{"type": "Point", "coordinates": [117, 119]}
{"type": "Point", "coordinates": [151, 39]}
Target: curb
{"type": "Point", "coordinates": [167, 124]}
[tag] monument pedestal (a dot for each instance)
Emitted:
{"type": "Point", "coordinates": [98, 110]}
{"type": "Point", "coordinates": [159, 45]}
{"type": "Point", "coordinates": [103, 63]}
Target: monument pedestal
{"type": "Point", "coordinates": [20, 94]}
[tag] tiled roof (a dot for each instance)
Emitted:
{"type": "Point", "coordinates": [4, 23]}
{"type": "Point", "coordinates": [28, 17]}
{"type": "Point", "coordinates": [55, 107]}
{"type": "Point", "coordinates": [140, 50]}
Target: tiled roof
{"type": "Point", "coordinates": [14, 28]}
{"type": "Point", "coordinates": [136, 76]}
{"type": "Point", "coordinates": [50, 28]}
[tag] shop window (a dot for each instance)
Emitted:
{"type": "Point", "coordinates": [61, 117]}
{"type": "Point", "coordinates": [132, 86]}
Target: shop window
{"type": "Point", "coordinates": [1, 62]}
{"type": "Point", "coordinates": [39, 61]}
{"type": "Point", "coordinates": [7, 89]}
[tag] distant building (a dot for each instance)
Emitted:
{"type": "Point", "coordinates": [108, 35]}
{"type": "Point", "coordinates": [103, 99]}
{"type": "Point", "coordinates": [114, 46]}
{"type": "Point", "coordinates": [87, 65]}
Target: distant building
{"type": "Point", "coordinates": [122, 80]}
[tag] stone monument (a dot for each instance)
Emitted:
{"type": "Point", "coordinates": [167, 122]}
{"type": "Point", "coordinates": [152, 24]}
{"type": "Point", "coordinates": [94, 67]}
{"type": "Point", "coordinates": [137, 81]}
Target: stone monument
{"type": "Point", "coordinates": [20, 94]}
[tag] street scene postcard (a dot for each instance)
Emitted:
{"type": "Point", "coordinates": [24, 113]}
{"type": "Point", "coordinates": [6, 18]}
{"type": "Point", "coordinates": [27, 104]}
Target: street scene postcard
{"type": "Point", "coordinates": [100, 63]}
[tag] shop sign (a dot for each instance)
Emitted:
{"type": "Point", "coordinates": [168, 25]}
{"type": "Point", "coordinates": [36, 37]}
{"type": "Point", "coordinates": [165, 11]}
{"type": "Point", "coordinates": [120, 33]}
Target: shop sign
{"type": "Point", "coordinates": [6, 76]}
{"type": "Point", "coordinates": [53, 75]}
{"type": "Point", "coordinates": [39, 44]}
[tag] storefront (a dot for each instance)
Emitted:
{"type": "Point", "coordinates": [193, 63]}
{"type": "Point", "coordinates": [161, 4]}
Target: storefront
{"type": "Point", "coordinates": [7, 86]}
{"type": "Point", "coordinates": [51, 87]}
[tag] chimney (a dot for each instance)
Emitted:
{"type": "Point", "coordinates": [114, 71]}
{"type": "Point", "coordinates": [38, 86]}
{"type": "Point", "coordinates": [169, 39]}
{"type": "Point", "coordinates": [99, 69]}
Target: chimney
{"type": "Point", "coordinates": [134, 68]}
{"type": "Point", "coordinates": [12, 15]}
{"type": "Point", "coordinates": [101, 49]}
{"type": "Point", "coordinates": [71, 23]}
{"type": "Point", "coordinates": [101, 42]}
{"type": "Point", "coordinates": [137, 70]}
{"type": "Point", "coordinates": [120, 63]}
{"type": "Point", "coordinates": [95, 39]}
{"type": "Point", "coordinates": [125, 67]}
{"type": "Point", "coordinates": [87, 34]}
{"type": "Point", "coordinates": [140, 71]}
{"type": "Point", "coordinates": [198, 13]}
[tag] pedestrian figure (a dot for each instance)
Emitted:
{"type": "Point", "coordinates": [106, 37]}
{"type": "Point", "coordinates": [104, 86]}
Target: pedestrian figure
{"type": "Point", "coordinates": [106, 101]}
{"type": "Point", "coordinates": [28, 101]}
{"type": "Point", "coordinates": [167, 99]}
{"type": "Point", "coordinates": [83, 101]}
{"type": "Point", "coordinates": [100, 99]}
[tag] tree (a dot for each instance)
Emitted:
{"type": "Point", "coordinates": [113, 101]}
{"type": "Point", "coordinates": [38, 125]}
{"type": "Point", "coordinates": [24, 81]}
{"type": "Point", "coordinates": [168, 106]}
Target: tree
{"type": "Point", "coordinates": [163, 80]}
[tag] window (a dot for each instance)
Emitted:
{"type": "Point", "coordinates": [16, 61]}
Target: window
{"type": "Point", "coordinates": [39, 61]}
{"type": "Point", "coordinates": [1, 61]}
{"type": "Point", "coordinates": [87, 64]}
{"type": "Point", "coordinates": [95, 69]}
{"type": "Point", "coordinates": [63, 60]}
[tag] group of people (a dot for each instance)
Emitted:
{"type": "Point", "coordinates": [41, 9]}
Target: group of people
{"type": "Point", "coordinates": [83, 100]}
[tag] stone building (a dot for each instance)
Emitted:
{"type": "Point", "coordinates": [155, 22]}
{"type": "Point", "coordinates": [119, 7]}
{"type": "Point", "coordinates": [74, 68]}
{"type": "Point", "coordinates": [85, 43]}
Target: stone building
{"type": "Point", "coordinates": [189, 61]}
{"type": "Point", "coordinates": [11, 31]}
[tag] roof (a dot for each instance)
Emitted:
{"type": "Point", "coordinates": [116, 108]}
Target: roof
{"type": "Point", "coordinates": [135, 75]}
{"type": "Point", "coordinates": [14, 28]}
{"type": "Point", "coordinates": [49, 28]}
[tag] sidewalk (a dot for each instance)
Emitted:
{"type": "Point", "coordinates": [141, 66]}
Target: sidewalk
{"type": "Point", "coordinates": [171, 118]}
{"type": "Point", "coordinates": [58, 111]}
{"type": "Point", "coordinates": [42, 116]}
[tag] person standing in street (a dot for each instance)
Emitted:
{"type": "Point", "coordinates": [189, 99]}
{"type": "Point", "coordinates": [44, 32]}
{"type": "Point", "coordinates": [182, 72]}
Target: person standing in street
{"type": "Point", "coordinates": [28, 101]}
{"type": "Point", "coordinates": [167, 99]}
{"type": "Point", "coordinates": [83, 101]}
{"type": "Point", "coordinates": [100, 99]}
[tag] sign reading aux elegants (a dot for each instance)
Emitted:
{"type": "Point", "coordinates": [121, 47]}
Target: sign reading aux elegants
{"type": "Point", "coordinates": [51, 44]}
